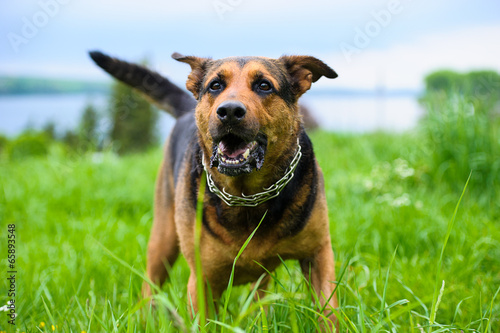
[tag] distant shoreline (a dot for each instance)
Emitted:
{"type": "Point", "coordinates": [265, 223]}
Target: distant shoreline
{"type": "Point", "coordinates": [15, 86]}
{"type": "Point", "coordinates": [19, 86]}
{"type": "Point", "coordinates": [381, 93]}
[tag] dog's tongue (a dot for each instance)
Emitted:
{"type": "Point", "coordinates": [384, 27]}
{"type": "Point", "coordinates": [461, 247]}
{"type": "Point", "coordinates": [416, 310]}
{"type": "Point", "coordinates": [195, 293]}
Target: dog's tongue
{"type": "Point", "coordinates": [232, 151]}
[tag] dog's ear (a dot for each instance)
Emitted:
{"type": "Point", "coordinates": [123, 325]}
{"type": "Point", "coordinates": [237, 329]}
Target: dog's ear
{"type": "Point", "coordinates": [304, 70]}
{"type": "Point", "coordinates": [198, 70]}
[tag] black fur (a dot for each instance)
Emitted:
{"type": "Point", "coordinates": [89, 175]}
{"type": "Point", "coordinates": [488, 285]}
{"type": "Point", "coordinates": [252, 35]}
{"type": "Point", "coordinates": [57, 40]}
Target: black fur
{"type": "Point", "coordinates": [185, 150]}
{"type": "Point", "coordinates": [239, 220]}
{"type": "Point", "coordinates": [164, 93]}
{"type": "Point", "coordinates": [305, 174]}
{"type": "Point", "coordinates": [182, 139]}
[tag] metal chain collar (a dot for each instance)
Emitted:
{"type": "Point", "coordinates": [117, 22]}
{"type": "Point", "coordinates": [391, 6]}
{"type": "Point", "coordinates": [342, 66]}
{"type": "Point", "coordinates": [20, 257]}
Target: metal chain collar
{"type": "Point", "coordinates": [255, 199]}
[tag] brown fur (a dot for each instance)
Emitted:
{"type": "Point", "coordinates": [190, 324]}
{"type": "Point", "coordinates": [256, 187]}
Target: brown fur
{"type": "Point", "coordinates": [275, 116]}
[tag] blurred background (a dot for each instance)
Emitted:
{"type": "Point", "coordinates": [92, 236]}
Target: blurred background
{"type": "Point", "coordinates": [415, 108]}
{"type": "Point", "coordinates": [382, 51]}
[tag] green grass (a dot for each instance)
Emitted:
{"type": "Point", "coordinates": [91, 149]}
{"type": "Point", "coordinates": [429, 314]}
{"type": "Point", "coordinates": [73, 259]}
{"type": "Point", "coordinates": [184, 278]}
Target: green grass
{"type": "Point", "coordinates": [461, 135]}
{"type": "Point", "coordinates": [82, 225]}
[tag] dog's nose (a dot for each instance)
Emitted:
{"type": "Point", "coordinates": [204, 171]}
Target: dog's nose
{"type": "Point", "coordinates": [230, 112]}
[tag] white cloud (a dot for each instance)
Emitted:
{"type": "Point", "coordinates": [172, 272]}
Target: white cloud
{"type": "Point", "coordinates": [153, 26]}
{"type": "Point", "coordinates": [163, 9]}
{"type": "Point", "coordinates": [404, 66]}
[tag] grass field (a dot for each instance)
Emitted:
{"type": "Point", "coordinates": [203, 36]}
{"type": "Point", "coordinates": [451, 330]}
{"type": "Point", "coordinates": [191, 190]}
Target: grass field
{"type": "Point", "coordinates": [406, 262]}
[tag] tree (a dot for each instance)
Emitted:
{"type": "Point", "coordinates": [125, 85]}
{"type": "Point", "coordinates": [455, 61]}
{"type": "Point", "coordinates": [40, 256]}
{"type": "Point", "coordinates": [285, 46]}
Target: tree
{"type": "Point", "coordinates": [444, 80]}
{"type": "Point", "coordinates": [50, 130]}
{"type": "Point", "coordinates": [88, 135]}
{"type": "Point", "coordinates": [133, 120]}
{"type": "Point", "coordinates": [71, 139]}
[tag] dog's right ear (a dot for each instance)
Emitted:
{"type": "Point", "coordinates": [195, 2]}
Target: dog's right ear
{"type": "Point", "coordinates": [198, 70]}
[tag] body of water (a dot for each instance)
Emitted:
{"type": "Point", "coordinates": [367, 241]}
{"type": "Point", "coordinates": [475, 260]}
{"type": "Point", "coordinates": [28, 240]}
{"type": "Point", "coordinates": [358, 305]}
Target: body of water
{"type": "Point", "coordinates": [21, 112]}
{"type": "Point", "coordinates": [360, 114]}
{"type": "Point", "coordinates": [336, 113]}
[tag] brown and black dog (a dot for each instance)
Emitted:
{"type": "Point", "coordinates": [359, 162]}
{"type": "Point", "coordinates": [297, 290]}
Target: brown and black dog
{"type": "Point", "coordinates": [245, 131]}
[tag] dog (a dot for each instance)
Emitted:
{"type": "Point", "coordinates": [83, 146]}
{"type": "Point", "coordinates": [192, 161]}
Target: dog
{"type": "Point", "coordinates": [244, 134]}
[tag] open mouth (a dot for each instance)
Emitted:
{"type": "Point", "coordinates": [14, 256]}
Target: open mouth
{"type": "Point", "coordinates": [233, 155]}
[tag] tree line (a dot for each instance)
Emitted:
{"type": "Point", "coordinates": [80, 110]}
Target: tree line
{"type": "Point", "coordinates": [127, 125]}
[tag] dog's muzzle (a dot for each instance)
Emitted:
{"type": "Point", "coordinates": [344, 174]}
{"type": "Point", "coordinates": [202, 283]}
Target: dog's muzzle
{"type": "Point", "coordinates": [237, 150]}
{"type": "Point", "coordinates": [234, 156]}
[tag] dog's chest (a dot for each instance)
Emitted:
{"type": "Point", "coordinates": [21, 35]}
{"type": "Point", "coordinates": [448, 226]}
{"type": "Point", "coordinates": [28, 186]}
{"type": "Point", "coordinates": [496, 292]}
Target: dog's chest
{"type": "Point", "coordinates": [262, 250]}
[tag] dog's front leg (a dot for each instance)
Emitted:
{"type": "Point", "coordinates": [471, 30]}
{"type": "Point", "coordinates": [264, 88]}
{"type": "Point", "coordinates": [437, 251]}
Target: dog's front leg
{"type": "Point", "coordinates": [193, 293]}
{"type": "Point", "coordinates": [320, 271]}
{"type": "Point", "coordinates": [163, 246]}
{"type": "Point", "coordinates": [211, 295]}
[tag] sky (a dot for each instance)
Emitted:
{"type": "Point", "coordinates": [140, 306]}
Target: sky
{"type": "Point", "coordinates": [370, 43]}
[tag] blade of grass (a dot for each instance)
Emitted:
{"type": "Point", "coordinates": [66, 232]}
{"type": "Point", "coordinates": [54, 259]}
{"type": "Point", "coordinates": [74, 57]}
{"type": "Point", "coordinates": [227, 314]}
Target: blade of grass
{"type": "Point", "coordinates": [130, 305]}
{"type": "Point", "coordinates": [168, 304]}
{"type": "Point", "coordinates": [293, 319]}
{"type": "Point", "coordinates": [384, 294]}
{"type": "Point", "coordinates": [246, 305]}
{"type": "Point", "coordinates": [346, 322]}
{"type": "Point", "coordinates": [273, 276]}
{"type": "Point", "coordinates": [361, 303]}
{"type": "Point", "coordinates": [99, 320]}
{"type": "Point", "coordinates": [318, 317]}
{"type": "Point", "coordinates": [200, 283]}
{"type": "Point", "coordinates": [224, 325]}
{"type": "Point", "coordinates": [457, 308]}
{"type": "Point", "coordinates": [491, 311]}
{"type": "Point", "coordinates": [412, 325]}
{"type": "Point", "coordinates": [265, 324]}
{"type": "Point", "coordinates": [337, 284]}
{"type": "Point", "coordinates": [275, 323]}
{"type": "Point", "coordinates": [285, 266]}
{"type": "Point", "coordinates": [253, 323]}
{"type": "Point", "coordinates": [422, 304]}
{"type": "Point", "coordinates": [451, 223]}
{"type": "Point", "coordinates": [250, 306]}
{"type": "Point", "coordinates": [128, 266]}
{"type": "Point", "coordinates": [91, 317]}
{"type": "Point", "coordinates": [231, 277]}
{"type": "Point", "coordinates": [48, 312]}
{"type": "Point", "coordinates": [115, 321]}
{"type": "Point", "coordinates": [481, 311]}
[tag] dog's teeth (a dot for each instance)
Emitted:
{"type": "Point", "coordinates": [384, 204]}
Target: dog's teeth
{"type": "Point", "coordinates": [229, 160]}
{"type": "Point", "coordinates": [246, 153]}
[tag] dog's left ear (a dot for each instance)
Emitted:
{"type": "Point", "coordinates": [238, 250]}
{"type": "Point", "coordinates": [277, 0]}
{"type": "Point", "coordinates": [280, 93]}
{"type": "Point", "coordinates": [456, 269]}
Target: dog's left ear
{"type": "Point", "coordinates": [304, 70]}
{"type": "Point", "coordinates": [198, 70]}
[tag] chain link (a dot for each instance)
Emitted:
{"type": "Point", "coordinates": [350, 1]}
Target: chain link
{"type": "Point", "coordinates": [255, 199]}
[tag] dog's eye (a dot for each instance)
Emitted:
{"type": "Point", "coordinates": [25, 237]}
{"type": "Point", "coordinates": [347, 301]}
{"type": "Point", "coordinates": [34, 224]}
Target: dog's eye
{"type": "Point", "coordinates": [264, 86]}
{"type": "Point", "coordinates": [215, 86]}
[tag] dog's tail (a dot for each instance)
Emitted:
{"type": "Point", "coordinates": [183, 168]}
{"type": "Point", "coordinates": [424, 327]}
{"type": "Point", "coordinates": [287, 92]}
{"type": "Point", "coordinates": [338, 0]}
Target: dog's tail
{"type": "Point", "coordinates": [156, 88]}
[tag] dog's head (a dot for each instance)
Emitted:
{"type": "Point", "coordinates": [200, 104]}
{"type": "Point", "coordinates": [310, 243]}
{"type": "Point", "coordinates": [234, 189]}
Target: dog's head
{"type": "Point", "coordinates": [247, 106]}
